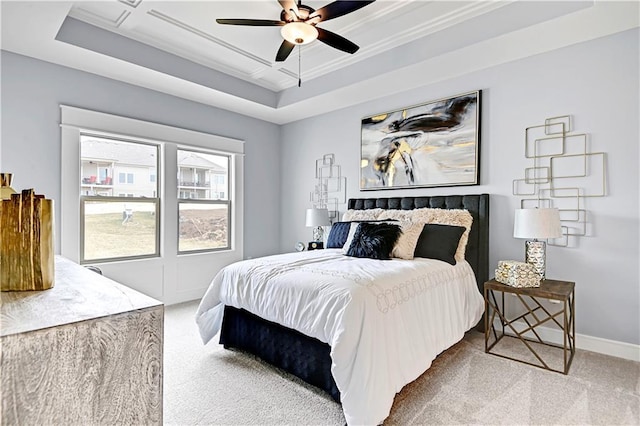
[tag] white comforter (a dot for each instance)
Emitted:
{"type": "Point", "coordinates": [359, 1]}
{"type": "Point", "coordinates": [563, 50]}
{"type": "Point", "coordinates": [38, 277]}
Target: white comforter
{"type": "Point", "coordinates": [384, 320]}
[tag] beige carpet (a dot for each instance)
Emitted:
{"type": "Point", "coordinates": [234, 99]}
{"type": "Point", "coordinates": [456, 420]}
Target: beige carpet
{"type": "Point", "coordinates": [211, 385]}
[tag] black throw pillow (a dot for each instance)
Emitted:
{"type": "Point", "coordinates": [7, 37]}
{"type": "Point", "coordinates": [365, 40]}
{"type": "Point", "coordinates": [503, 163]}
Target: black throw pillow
{"type": "Point", "coordinates": [374, 240]}
{"type": "Point", "coordinates": [439, 242]}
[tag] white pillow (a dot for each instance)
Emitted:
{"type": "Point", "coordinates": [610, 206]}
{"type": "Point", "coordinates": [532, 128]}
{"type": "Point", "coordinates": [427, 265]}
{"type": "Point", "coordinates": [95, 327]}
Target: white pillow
{"type": "Point", "coordinates": [369, 214]}
{"type": "Point", "coordinates": [352, 230]}
{"type": "Point", "coordinates": [400, 215]}
{"type": "Point", "coordinates": [406, 244]}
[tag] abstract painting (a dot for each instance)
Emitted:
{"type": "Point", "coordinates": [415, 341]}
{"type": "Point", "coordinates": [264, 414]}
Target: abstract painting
{"type": "Point", "coordinates": [432, 144]}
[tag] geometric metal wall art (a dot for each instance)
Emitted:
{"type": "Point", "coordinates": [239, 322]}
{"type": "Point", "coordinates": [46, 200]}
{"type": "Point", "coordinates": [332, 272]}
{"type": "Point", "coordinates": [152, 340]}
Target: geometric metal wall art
{"type": "Point", "coordinates": [563, 174]}
{"type": "Point", "coordinates": [330, 188]}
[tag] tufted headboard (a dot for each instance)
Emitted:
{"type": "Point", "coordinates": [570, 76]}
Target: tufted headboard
{"type": "Point", "coordinates": [477, 253]}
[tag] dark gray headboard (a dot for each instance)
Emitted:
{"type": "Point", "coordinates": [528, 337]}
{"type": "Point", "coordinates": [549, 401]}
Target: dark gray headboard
{"type": "Point", "coordinates": [477, 253]}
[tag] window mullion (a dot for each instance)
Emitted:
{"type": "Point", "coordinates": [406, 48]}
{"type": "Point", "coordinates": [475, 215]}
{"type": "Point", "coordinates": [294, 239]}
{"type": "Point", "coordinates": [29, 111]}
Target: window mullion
{"type": "Point", "coordinates": [169, 185]}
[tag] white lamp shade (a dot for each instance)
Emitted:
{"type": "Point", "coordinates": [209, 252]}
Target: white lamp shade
{"type": "Point", "coordinates": [317, 217]}
{"type": "Point", "coordinates": [537, 223]}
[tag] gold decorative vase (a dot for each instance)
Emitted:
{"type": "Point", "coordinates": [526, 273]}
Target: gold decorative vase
{"type": "Point", "coordinates": [26, 240]}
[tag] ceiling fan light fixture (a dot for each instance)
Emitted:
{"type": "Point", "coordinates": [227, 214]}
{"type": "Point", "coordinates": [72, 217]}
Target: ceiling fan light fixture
{"type": "Point", "coordinates": [299, 33]}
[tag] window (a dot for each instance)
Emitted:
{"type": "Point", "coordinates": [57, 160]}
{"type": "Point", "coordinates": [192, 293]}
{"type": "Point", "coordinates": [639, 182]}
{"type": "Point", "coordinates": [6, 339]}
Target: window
{"type": "Point", "coordinates": [117, 227]}
{"type": "Point", "coordinates": [203, 214]}
{"type": "Point", "coordinates": [167, 275]}
{"type": "Point", "coordinates": [127, 226]}
{"type": "Point", "coordinates": [126, 178]}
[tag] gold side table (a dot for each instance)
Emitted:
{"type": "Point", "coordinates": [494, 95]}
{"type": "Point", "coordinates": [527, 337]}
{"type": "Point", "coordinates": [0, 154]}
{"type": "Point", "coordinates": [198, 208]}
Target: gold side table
{"type": "Point", "coordinates": [536, 314]}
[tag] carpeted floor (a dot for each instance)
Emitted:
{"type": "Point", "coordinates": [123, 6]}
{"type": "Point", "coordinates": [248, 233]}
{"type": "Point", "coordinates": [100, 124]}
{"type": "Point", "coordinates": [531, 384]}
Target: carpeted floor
{"type": "Point", "coordinates": [211, 385]}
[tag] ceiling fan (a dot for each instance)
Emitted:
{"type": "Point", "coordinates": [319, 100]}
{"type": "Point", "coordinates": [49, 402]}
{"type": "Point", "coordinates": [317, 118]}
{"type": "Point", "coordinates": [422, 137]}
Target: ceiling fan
{"type": "Point", "coordinates": [298, 22]}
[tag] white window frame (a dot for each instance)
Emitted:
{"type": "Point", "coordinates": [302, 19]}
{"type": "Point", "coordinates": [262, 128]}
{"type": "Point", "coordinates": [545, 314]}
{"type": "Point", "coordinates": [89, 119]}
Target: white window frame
{"type": "Point", "coordinates": [76, 120]}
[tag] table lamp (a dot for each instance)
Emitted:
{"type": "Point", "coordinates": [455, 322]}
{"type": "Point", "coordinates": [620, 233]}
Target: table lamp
{"type": "Point", "coordinates": [535, 224]}
{"type": "Point", "coordinates": [317, 217]}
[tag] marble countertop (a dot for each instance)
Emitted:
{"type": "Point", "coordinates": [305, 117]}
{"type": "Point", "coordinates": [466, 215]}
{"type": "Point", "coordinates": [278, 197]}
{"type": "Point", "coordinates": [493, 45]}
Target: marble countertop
{"type": "Point", "coordinates": [78, 295]}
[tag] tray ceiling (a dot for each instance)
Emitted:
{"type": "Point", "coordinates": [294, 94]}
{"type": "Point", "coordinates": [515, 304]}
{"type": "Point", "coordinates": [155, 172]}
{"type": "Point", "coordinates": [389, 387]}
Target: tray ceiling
{"type": "Point", "coordinates": [188, 29]}
{"type": "Point", "coordinates": [178, 48]}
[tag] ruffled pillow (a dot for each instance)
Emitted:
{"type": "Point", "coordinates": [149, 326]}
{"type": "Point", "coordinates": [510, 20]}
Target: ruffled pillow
{"type": "Point", "coordinates": [374, 240]}
{"type": "Point", "coordinates": [406, 244]}
{"type": "Point", "coordinates": [348, 231]}
{"type": "Point", "coordinates": [370, 214]}
{"type": "Point", "coordinates": [400, 215]}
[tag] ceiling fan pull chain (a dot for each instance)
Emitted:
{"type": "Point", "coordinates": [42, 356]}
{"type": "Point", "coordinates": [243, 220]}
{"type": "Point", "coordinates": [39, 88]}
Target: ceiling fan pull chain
{"type": "Point", "coordinates": [299, 60]}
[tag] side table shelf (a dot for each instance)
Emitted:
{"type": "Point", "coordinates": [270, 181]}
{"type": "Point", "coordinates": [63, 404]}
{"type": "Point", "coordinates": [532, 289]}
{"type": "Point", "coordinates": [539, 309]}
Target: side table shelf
{"type": "Point", "coordinates": [496, 321]}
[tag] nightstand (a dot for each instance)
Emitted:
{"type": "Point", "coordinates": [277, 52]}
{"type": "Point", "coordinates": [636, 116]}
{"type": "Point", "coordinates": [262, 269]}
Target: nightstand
{"type": "Point", "coordinates": [535, 314]}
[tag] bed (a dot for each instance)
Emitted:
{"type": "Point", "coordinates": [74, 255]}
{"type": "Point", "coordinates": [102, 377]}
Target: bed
{"type": "Point", "coordinates": [330, 338]}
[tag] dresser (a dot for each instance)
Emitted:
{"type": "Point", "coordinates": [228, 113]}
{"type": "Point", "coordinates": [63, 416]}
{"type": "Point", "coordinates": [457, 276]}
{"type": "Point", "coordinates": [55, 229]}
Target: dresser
{"type": "Point", "coordinates": [87, 351]}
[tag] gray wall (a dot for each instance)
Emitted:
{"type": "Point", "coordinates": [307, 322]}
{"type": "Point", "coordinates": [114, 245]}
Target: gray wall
{"type": "Point", "coordinates": [32, 91]}
{"type": "Point", "coordinates": [597, 83]}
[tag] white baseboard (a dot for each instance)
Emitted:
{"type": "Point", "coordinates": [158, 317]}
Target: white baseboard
{"type": "Point", "coordinates": [184, 296]}
{"type": "Point", "coordinates": [589, 343]}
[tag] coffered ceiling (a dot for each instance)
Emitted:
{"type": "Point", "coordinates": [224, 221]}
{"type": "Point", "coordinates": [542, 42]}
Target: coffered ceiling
{"type": "Point", "coordinates": [177, 47]}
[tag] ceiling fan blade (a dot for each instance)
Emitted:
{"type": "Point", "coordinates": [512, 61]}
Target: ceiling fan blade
{"type": "Point", "coordinates": [284, 51]}
{"type": "Point", "coordinates": [338, 8]}
{"type": "Point", "coordinates": [336, 41]}
{"type": "Point", "coordinates": [251, 22]}
{"type": "Point", "coordinates": [287, 5]}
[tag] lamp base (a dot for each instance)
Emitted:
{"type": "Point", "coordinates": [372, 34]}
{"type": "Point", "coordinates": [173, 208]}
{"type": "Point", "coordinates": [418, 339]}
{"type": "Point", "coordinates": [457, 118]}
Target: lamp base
{"type": "Point", "coordinates": [535, 254]}
{"type": "Point", "coordinates": [318, 233]}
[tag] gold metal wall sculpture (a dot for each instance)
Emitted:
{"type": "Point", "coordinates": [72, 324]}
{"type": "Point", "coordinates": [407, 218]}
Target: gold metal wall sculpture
{"type": "Point", "coordinates": [564, 174]}
{"type": "Point", "coordinates": [331, 187]}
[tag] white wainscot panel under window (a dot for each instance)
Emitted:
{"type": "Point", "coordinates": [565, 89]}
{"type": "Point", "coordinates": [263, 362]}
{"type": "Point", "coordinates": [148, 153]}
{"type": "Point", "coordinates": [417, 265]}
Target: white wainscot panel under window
{"type": "Point", "coordinates": [195, 272]}
{"type": "Point", "coordinates": [144, 275]}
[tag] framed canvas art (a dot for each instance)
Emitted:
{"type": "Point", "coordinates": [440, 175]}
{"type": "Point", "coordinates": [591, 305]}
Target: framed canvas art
{"type": "Point", "coordinates": [432, 144]}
